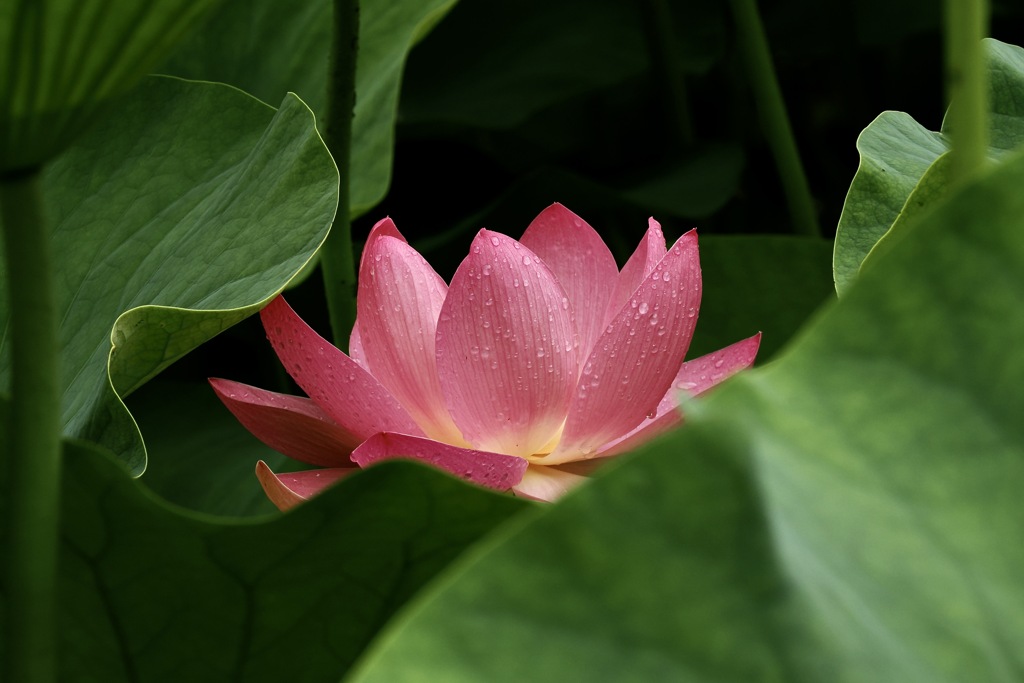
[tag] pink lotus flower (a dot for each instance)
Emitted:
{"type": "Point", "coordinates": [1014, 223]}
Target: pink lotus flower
{"type": "Point", "coordinates": [539, 360]}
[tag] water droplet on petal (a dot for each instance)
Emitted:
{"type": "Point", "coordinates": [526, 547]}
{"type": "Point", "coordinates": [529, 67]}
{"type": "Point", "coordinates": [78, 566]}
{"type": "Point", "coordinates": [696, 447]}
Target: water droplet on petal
{"type": "Point", "coordinates": [494, 241]}
{"type": "Point", "coordinates": [643, 308]}
{"type": "Point", "coordinates": [527, 260]}
{"type": "Point", "coordinates": [665, 276]}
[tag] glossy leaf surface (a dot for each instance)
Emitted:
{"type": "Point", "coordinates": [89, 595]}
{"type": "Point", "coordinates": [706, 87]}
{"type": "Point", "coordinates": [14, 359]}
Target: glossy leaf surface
{"type": "Point", "coordinates": [896, 152]}
{"type": "Point", "coordinates": [172, 220]}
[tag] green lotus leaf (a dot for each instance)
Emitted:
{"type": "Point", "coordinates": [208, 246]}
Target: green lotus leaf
{"type": "Point", "coordinates": [896, 151]}
{"type": "Point", "coordinates": [149, 592]}
{"type": "Point", "coordinates": [269, 48]}
{"type": "Point", "coordinates": [850, 512]}
{"type": "Point", "coordinates": [63, 62]}
{"type": "Point", "coordinates": [174, 218]}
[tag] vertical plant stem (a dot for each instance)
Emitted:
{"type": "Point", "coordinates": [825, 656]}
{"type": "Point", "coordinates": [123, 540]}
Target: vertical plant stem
{"type": "Point", "coordinates": [967, 85]}
{"type": "Point", "coordinates": [33, 454]}
{"type": "Point", "coordinates": [336, 256]}
{"type": "Point", "coordinates": [771, 109]}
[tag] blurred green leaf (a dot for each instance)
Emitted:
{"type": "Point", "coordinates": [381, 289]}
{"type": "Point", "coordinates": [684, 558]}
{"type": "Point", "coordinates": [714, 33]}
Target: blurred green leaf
{"type": "Point", "coordinates": [695, 187]}
{"type": "Point", "coordinates": [848, 513]}
{"type": "Point", "coordinates": [63, 61]}
{"type": "Point", "coordinates": [269, 48]}
{"type": "Point", "coordinates": [545, 52]}
{"type": "Point", "coordinates": [896, 152]}
{"type": "Point", "coordinates": [173, 219]}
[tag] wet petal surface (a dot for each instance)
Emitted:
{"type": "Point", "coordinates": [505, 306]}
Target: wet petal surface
{"type": "Point", "coordinates": [491, 470]}
{"type": "Point", "coordinates": [647, 255]}
{"type": "Point", "coordinates": [289, 489]}
{"type": "Point", "coordinates": [580, 261]}
{"type": "Point", "coordinates": [399, 302]}
{"type": "Point", "coordinates": [507, 352]}
{"type": "Point", "coordinates": [636, 357]}
{"type": "Point", "coordinates": [694, 377]}
{"type": "Point", "coordinates": [291, 425]}
{"type": "Point", "coordinates": [350, 395]}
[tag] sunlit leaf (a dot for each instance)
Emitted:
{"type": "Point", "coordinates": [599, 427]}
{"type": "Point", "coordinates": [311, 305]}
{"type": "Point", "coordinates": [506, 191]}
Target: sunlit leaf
{"type": "Point", "coordinates": [896, 151]}
{"type": "Point", "coordinates": [172, 220]}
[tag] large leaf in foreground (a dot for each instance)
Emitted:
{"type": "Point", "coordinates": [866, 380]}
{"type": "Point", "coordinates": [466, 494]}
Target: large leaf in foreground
{"type": "Point", "coordinates": [848, 513]}
{"type": "Point", "coordinates": [269, 48]}
{"type": "Point", "coordinates": [63, 61]}
{"type": "Point", "coordinates": [896, 152]}
{"type": "Point", "coordinates": [174, 219]}
{"type": "Point", "coordinates": [148, 593]}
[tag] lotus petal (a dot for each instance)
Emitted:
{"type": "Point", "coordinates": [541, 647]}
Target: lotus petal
{"type": "Point", "coordinates": [491, 470]}
{"type": "Point", "coordinates": [291, 425]}
{"type": "Point", "coordinates": [581, 262]}
{"type": "Point", "coordinates": [399, 302]}
{"type": "Point", "coordinates": [694, 377]}
{"type": "Point", "coordinates": [647, 255]}
{"type": "Point", "coordinates": [507, 350]}
{"type": "Point", "coordinates": [636, 357]}
{"type": "Point", "coordinates": [546, 483]}
{"type": "Point", "coordinates": [288, 490]}
{"type": "Point", "coordinates": [353, 398]}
